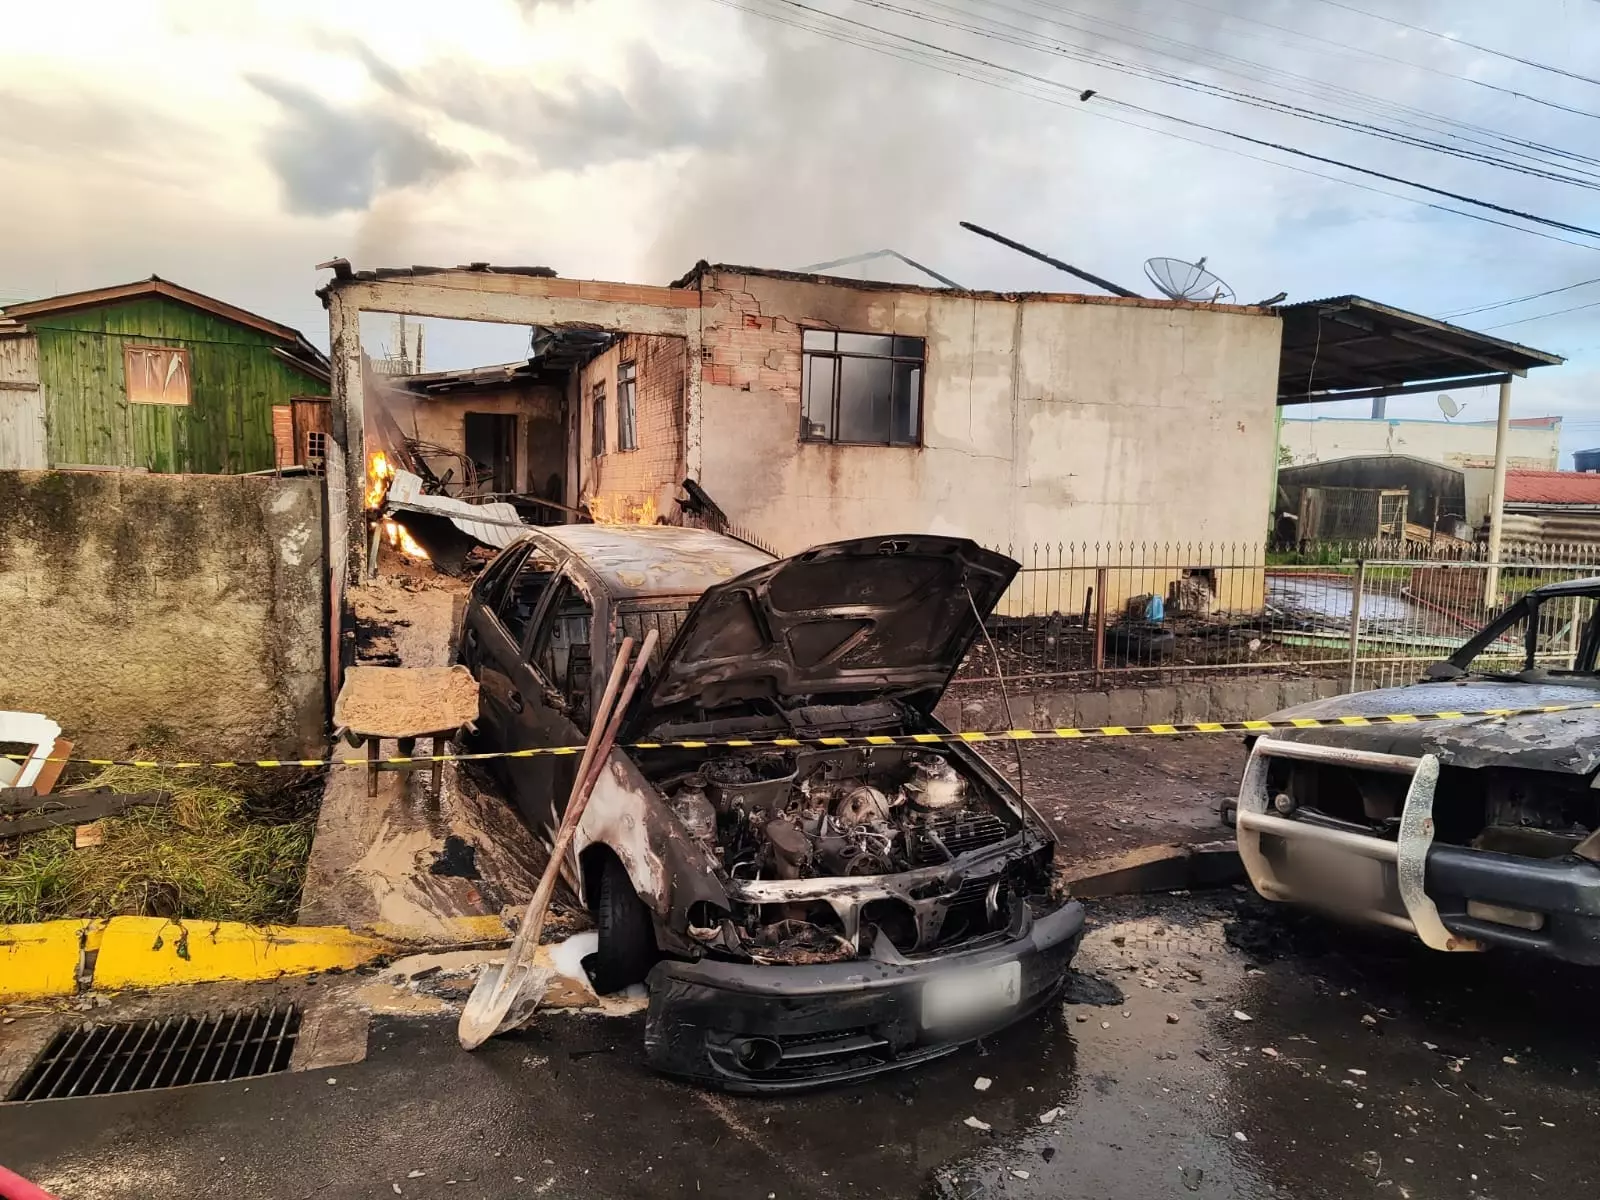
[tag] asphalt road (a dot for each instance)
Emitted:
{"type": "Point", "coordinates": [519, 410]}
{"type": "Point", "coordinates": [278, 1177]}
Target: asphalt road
{"type": "Point", "coordinates": [1368, 1066]}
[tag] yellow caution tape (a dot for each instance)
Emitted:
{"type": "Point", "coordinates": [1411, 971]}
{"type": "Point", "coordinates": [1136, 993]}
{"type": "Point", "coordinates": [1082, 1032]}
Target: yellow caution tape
{"type": "Point", "coordinates": [880, 739]}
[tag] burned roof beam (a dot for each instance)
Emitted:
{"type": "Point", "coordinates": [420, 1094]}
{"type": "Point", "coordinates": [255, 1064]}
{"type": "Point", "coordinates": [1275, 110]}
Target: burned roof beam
{"type": "Point", "coordinates": [1402, 389]}
{"type": "Point", "coordinates": [1426, 342]}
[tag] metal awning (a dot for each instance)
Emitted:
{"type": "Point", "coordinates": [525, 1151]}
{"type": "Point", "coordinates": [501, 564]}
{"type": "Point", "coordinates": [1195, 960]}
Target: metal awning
{"type": "Point", "coordinates": [1351, 348]}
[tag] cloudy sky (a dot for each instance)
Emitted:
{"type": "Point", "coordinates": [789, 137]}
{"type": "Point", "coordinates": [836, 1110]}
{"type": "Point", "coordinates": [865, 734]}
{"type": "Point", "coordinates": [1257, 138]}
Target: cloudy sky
{"type": "Point", "coordinates": [231, 147]}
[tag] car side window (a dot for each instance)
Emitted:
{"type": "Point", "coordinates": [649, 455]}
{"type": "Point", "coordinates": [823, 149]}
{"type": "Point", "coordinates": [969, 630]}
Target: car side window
{"type": "Point", "coordinates": [491, 585]}
{"type": "Point", "coordinates": [561, 649]}
{"type": "Point", "coordinates": [521, 599]}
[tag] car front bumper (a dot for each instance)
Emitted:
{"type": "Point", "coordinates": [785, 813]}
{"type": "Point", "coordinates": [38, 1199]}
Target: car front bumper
{"type": "Point", "coordinates": [1452, 897]}
{"type": "Point", "coordinates": [768, 1028]}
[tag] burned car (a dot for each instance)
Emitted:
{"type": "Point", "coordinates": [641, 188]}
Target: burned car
{"type": "Point", "coordinates": [813, 882]}
{"type": "Point", "coordinates": [1469, 831]}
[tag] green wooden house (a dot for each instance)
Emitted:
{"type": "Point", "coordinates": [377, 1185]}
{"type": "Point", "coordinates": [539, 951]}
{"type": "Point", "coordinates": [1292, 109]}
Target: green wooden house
{"type": "Point", "coordinates": [153, 376]}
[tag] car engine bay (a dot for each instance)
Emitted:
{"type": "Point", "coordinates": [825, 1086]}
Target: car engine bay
{"type": "Point", "coordinates": [858, 817]}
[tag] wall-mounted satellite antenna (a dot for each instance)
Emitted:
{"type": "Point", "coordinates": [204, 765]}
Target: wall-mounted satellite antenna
{"type": "Point", "coordinates": [1178, 279]}
{"type": "Point", "coordinates": [1448, 406]}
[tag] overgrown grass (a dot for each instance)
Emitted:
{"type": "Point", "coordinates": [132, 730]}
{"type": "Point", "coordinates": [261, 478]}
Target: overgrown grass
{"type": "Point", "coordinates": [208, 853]}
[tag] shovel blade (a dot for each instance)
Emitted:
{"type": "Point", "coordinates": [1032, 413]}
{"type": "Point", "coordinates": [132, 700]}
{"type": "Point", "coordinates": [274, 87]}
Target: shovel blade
{"type": "Point", "coordinates": [504, 998]}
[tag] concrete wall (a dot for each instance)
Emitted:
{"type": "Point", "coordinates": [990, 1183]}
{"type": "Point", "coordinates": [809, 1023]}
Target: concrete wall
{"type": "Point", "coordinates": [1534, 444]}
{"type": "Point", "coordinates": [541, 445]}
{"type": "Point", "coordinates": [1183, 701]}
{"type": "Point", "coordinates": [1047, 420]}
{"type": "Point", "coordinates": [638, 484]}
{"type": "Point", "coordinates": [192, 604]}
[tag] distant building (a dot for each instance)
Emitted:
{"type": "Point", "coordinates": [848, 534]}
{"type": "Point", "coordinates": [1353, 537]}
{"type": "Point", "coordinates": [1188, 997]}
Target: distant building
{"type": "Point", "coordinates": [1552, 508]}
{"type": "Point", "coordinates": [1365, 497]}
{"type": "Point", "coordinates": [1586, 460]}
{"type": "Point", "coordinates": [1534, 442]}
{"type": "Point", "coordinates": [153, 376]}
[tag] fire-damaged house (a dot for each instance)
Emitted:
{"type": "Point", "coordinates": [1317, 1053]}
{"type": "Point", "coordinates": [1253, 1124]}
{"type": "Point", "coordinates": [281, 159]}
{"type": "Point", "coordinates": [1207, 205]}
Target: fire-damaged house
{"type": "Point", "coordinates": [808, 408]}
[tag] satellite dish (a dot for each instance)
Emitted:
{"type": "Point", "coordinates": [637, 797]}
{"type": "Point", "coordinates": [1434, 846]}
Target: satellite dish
{"type": "Point", "coordinates": [1448, 405]}
{"type": "Point", "coordinates": [1178, 279]}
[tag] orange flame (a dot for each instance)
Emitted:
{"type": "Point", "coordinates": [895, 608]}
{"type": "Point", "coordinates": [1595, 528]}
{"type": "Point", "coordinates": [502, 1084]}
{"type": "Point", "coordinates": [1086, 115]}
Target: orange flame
{"type": "Point", "coordinates": [380, 471]}
{"type": "Point", "coordinates": [400, 538]}
{"type": "Point", "coordinates": [623, 510]}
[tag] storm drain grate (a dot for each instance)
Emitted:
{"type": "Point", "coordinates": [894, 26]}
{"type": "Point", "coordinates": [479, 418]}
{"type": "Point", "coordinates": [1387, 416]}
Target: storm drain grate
{"type": "Point", "coordinates": [136, 1056]}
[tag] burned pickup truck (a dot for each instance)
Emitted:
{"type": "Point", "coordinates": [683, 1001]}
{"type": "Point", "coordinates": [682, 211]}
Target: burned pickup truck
{"type": "Point", "coordinates": [1469, 831]}
{"type": "Point", "coordinates": [814, 884]}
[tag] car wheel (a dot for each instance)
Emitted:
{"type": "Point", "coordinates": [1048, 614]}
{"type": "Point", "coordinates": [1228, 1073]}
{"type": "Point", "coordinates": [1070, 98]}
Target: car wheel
{"type": "Point", "coordinates": [627, 937]}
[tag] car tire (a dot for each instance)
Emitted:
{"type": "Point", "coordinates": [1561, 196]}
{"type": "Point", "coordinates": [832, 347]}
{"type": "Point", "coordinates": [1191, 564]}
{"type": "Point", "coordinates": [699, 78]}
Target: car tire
{"type": "Point", "coordinates": [627, 937]}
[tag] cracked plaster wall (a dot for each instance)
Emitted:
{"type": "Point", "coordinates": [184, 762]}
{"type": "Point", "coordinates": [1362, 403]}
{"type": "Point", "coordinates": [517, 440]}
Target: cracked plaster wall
{"type": "Point", "coordinates": [184, 609]}
{"type": "Point", "coordinates": [1044, 420]}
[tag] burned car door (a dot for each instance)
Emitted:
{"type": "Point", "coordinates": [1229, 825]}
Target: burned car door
{"type": "Point", "coordinates": [500, 647]}
{"type": "Point", "coordinates": [550, 699]}
{"type": "Point", "coordinates": [485, 645]}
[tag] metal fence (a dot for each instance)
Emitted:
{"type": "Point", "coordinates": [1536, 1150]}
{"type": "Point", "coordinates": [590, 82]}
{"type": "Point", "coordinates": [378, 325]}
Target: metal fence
{"type": "Point", "coordinates": [1121, 615]}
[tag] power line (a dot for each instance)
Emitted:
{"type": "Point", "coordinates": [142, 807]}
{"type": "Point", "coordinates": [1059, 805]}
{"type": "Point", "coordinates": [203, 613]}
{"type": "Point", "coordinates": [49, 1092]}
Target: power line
{"type": "Point", "coordinates": [1085, 95]}
{"type": "Point", "coordinates": [1446, 37]}
{"type": "Point", "coordinates": [1467, 312]}
{"type": "Point", "coordinates": [1372, 103]}
{"type": "Point", "coordinates": [1389, 58]}
{"type": "Point", "coordinates": [1560, 312]}
{"type": "Point", "coordinates": [915, 51]}
{"type": "Point", "coordinates": [1000, 31]}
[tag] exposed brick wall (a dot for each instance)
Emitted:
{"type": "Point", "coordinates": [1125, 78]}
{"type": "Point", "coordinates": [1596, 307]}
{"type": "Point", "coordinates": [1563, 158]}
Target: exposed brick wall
{"type": "Point", "coordinates": [745, 349]}
{"type": "Point", "coordinates": [541, 449]}
{"type": "Point", "coordinates": [641, 483]}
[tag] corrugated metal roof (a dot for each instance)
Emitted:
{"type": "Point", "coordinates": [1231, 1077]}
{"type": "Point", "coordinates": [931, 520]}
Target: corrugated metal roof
{"type": "Point", "coordinates": [1552, 487]}
{"type": "Point", "coordinates": [1350, 343]}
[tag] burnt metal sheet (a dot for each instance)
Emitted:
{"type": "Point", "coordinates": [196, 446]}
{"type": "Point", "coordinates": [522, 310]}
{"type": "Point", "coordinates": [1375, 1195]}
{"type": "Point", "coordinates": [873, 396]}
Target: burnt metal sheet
{"type": "Point", "coordinates": [654, 560]}
{"type": "Point", "coordinates": [1349, 342]}
{"type": "Point", "coordinates": [1565, 742]}
{"type": "Point", "coordinates": [880, 616]}
{"type": "Point", "coordinates": [497, 524]}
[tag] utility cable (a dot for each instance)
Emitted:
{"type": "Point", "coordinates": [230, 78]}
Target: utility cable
{"type": "Point", "coordinates": [1087, 94]}
{"type": "Point", "coordinates": [1455, 41]}
{"type": "Point", "coordinates": [1467, 312]}
{"type": "Point", "coordinates": [1026, 41]}
{"type": "Point", "coordinates": [1389, 58]}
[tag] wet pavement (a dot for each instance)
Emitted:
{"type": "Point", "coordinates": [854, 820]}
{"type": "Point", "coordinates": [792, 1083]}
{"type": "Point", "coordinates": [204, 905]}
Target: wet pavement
{"type": "Point", "coordinates": [1368, 1066]}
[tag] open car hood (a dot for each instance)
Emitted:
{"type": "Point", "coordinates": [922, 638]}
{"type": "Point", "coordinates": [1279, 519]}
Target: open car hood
{"type": "Point", "coordinates": [841, 623]}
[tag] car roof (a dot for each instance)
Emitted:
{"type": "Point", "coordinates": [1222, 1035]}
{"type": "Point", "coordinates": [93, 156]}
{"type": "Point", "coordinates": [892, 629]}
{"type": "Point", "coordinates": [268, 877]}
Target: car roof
{"type": "Point", "coordinates": [1569, 587]}
{"type": "Point", "coordinates": [642, 561]}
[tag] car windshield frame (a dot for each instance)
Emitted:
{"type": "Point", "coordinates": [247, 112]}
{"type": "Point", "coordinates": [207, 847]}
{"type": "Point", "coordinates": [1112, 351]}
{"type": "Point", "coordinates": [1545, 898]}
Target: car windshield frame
{"type": "Point", "coordinates": [1527, 609]}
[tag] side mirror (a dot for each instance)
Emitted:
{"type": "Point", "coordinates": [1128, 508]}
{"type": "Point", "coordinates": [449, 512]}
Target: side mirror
{"type": "Point", "coordinates": [1442, 671]}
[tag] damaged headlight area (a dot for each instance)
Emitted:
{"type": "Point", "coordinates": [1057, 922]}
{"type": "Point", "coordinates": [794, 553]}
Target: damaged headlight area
{"type": "Point", "coordinates": [829, 855]}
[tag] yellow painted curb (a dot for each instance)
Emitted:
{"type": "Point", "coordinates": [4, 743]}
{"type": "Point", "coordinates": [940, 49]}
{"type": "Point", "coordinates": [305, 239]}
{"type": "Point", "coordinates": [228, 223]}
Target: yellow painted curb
{"type": "Point", "coordinates": [42, 959]}
{"type": "Point", "coordinates": [149, 952]}
{"type": "Point", "coordinates": [447, 931]}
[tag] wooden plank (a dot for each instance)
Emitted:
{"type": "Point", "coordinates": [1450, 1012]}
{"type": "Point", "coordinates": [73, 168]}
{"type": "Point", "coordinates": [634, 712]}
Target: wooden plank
{"type": "Point", "coordinates": [47, 812]}
{"type": "Point", "coordinates": [51, 771]}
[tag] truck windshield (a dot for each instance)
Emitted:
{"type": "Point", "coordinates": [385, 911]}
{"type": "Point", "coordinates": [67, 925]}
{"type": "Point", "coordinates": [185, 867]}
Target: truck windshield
{"type": "Point", "coordinates": [1551, 635]}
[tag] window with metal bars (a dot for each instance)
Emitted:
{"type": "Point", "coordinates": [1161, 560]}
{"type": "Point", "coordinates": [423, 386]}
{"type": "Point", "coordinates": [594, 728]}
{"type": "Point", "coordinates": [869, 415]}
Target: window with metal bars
{"type": "Point", "coordinates": [599, 431]}
{"type": "Point", "coordinates": [316, 450]}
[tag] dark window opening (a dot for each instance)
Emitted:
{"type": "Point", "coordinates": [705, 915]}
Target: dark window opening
{"type": "Point", "coordinates": [627, 408]}
{"type": "Point", "coordinates": [861, 388]}
{"type": "Point", "coordinates": [562, 653]}
{"type": "Point", "coordinates": [521, 600]}
{"type": "Point", "coordinates": [599, 400]}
